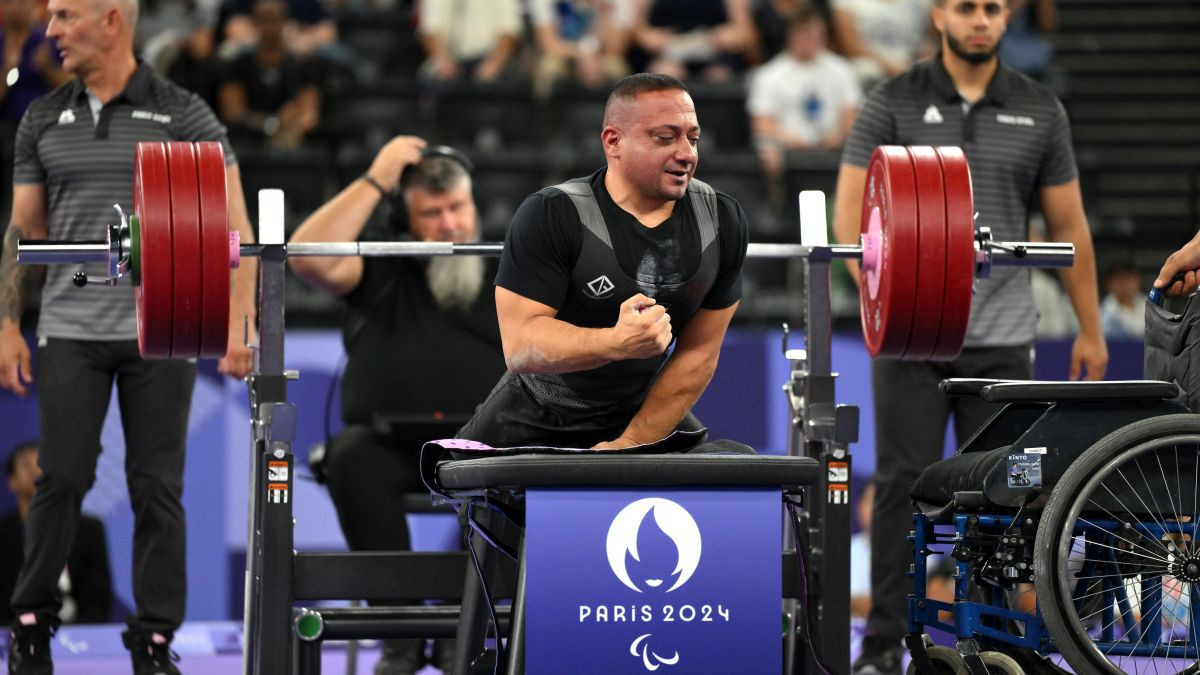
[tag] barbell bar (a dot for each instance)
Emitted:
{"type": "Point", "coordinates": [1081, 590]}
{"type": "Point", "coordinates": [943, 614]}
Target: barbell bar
{"type": "Point", "coordinates": [920, 250]}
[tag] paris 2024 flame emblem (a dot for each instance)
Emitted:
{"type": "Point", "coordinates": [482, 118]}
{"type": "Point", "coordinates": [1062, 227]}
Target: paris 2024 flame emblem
{"type": "Point", "coordinates": [679, 526]}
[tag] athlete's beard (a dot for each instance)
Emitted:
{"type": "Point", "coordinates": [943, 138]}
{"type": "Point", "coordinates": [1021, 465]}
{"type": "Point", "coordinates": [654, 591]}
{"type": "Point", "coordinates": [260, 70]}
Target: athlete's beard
{"type": "Point", "coordinates": [455, 281]}
{"type": "Point", "coordinates": [973, 58]}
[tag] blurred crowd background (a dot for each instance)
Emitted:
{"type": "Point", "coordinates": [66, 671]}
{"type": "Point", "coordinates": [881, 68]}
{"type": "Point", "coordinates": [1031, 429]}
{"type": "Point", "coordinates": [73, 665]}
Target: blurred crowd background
{"type": "Point", "coordinates": [309, 90]}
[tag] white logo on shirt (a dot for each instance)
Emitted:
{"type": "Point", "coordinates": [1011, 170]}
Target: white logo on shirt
{"type": "Point", "coordinates": [66, 117]}
{"type": "Point", "coordinates": [153, 117]}
{"type": "Point", "coordinates": [1015, 120]}
{"type": "Point", "coordinates": [601, 286]}
{"type": "Point", "coordinates": [933, 115]}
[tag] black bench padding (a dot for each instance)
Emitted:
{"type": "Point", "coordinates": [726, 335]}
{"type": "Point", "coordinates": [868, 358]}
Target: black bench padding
{"type": "Point", "coordinates": [605, 470]}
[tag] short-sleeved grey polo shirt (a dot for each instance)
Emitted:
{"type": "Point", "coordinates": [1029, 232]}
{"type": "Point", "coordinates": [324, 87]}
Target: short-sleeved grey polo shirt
{"type": "Point", "coordinates": [86, 166]}
{"type": "Point", "coordinates": [1016, 138]}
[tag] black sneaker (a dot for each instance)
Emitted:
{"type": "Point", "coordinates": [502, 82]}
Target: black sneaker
{"type": "Point", "coordinates": [29, 650]}
{"type": "Point", "coordinates": [880, 656]}
{"type": "Point", "coordinates": [151, 653]}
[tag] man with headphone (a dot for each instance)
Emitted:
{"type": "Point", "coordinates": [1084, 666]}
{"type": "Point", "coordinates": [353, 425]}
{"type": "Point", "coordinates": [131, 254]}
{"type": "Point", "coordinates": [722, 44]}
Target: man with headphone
{"type": "Point", "coordinates": [400, 308]}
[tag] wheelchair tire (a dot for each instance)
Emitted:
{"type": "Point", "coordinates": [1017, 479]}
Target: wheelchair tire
{"type": "Point", "coordinates": [1127, 469]}
{"type": "Point", "coordinates": [946, 661]}
{"type": "Point", "coordinates": [997, 664]}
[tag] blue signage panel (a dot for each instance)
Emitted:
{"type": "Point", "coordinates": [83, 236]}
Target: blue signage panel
{"type": "Point", "coordinates": [637, 581]}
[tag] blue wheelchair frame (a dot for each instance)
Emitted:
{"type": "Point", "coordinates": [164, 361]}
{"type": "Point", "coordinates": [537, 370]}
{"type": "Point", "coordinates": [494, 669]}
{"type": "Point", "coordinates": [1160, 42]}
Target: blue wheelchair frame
{"type": "Point", "coordinates": [990, 534]}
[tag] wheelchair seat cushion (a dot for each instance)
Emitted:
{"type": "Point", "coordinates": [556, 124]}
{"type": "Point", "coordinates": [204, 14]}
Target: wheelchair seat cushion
{"type": "Point", "coordinates": [961, 473]}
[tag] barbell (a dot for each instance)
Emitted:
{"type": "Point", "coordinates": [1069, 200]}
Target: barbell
{"type": "Point", "coordinates": [920, 251]}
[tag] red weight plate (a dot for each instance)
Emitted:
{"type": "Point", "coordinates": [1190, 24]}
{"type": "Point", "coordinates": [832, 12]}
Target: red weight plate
{"type": "Point", "coordinates": [886, 294]}
{"type": "Point", "coordinates": [960, 253]}
{"type": "Point", "coordinates": [931, 253]}
{"type": "Point", "coordinates": [214, 234]}
{"type": "Point", "coordinates": [152, 204]}
{"type": "Point", "coordinates": [185, 239]}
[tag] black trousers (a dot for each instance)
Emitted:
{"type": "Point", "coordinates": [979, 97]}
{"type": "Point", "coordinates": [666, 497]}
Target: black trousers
{"type": "Point", "coordinates": [74, 380]}
{"type": "Point", "coordinates": [910, 429]}
{"type": "Point", "coordinates": [368, 475]}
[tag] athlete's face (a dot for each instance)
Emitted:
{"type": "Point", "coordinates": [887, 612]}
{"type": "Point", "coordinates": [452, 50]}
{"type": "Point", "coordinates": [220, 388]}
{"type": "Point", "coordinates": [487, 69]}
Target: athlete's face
{"type": "Point", "coordinates": [657, 146]}
{"type": "Point", "coordinates": [971, 29]}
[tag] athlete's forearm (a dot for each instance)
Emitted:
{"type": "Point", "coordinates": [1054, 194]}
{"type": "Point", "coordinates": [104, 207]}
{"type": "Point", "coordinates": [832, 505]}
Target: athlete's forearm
{"type": "Point", "coordinates": [548, 345]}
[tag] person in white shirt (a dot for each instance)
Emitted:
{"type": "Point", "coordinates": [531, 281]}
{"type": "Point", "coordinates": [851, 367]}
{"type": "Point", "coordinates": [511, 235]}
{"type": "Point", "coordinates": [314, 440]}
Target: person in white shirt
{"type": "Point", "coordinates": [805, 98]}
{"type": "Point", "coordinates": [469, 39]}
{"type": "Point", "coordinates": [1123, 310]}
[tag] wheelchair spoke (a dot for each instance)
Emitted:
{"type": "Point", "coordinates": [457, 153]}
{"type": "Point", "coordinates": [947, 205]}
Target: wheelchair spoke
{"type": "Point", "coordinates": [1167, 488]}
{"type": "Point", "coordinates": [1162, 560]}
{"type": "Point", "coordinates": [1146, 482]}
{"type": "Point", "coordinates": [1119, 519]}
{"type": "Point", "coordinates": [1087, 596]}
{"type": "Point", "coordinates": [1141, 636]}
{"type": "Point", "coordinates": [1103, 608]}
{"type": "Point", "coordinates": [1152, 514]}
{"type": "Point", "coordinates": [1195, 494]}
{"type": "Point", "coordinates": [1149, 554]}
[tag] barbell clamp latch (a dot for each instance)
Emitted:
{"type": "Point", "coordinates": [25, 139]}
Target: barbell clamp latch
{"type": "Point", "coordinates": [81, 279]}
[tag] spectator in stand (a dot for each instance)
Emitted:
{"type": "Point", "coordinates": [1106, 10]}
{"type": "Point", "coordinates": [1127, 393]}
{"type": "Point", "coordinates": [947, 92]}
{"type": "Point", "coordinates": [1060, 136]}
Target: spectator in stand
{"type": "Point", "coordinates": [770, 22]}
{"type": "Point", "coordinates": [1025, 47]}
{"type": "Point", "coordinates": [709, 38]}
{"type": "Point", "coordinates": [195, 65]}
{"type": "Point", "coordinates": [308, 31]}
{"type": "Point", "coordinates": [473, 39]}
{"type": "Point", "coordinates": [31, 67]}
{"type": "Point", "coordinates": [268, 94]}
{"type": "Point", "coordinates": [882, 38]}
{"type": "Point", "coordinates": [1123, 310]}
{"type": "Point", "coordinates": [85, 583]}
{"type": "Point", "coordinates": [587, 38]}
{"type": "Point", "coordinates": [805, 98]}
{"type": "Point", "coordinates": [31, 63]}
{"type": "Point", "coordinates": [176, 37]}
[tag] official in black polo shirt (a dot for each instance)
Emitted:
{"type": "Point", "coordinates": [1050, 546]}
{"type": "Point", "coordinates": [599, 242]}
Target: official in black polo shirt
{"type": "Point", "coordinates": [74, 160]}
{"type": "Point", "coordinates": [1017, 141]}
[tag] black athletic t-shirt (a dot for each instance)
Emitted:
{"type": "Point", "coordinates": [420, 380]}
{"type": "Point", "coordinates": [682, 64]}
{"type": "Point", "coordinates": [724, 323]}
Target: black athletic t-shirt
{"type": "Point", "coordinates": [546, 236]}
{"type": "Point", "coordinates": [407, 355]}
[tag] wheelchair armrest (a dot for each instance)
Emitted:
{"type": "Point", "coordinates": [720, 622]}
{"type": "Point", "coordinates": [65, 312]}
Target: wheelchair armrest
{"type": "Point", "coordinates": [966, 386]}
{"type": "Point", "coordinates": [1003, 392]}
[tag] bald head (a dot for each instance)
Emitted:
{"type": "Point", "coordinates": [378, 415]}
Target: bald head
{"type": "Point", "coordinates": [623, 97]}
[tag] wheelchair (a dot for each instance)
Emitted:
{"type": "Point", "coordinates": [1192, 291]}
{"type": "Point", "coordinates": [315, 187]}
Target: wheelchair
{"type": "Point", "coordinates": [1071, 521]}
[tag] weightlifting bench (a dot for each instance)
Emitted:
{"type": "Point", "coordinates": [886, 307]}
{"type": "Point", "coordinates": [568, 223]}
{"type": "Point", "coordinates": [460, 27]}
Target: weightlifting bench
{"type": "Point", "coordinates": [521, 483]}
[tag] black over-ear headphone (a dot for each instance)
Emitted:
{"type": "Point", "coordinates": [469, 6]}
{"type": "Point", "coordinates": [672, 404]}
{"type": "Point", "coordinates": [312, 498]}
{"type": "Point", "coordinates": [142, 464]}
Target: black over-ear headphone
{"type": "Point", "coordinates": [397, 210]}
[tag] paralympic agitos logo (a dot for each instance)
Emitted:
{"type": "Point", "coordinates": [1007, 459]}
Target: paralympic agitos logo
{"type": "Point", "coordinates": [676, 524]}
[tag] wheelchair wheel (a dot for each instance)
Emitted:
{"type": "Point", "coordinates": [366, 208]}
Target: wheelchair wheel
{"type": "Point", "coordinates": [1117, 560]}
{"type": "Point", "coordinates": [997, 664]}
{"type": "Point", "coordinates": [945, 660]}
